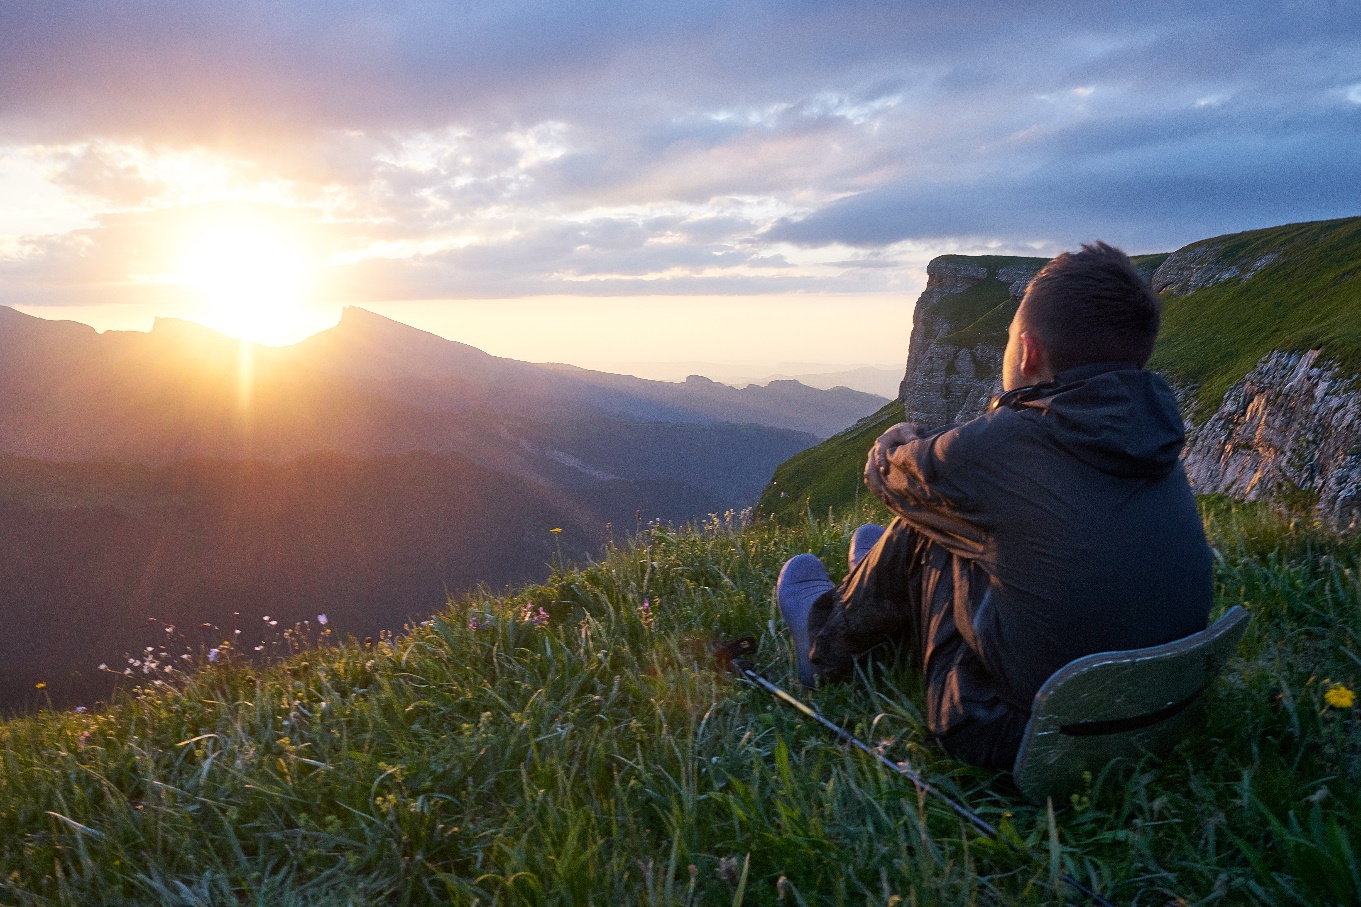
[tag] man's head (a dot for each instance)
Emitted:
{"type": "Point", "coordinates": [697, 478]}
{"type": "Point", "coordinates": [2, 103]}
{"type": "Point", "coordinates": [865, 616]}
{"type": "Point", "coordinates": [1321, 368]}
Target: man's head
{"type": "Point", "coordinates": [1083, 307]}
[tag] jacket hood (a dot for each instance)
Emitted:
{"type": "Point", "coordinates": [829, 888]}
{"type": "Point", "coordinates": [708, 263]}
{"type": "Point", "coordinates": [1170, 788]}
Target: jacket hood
{"type": "Point", "coordinates": [1122, 420]}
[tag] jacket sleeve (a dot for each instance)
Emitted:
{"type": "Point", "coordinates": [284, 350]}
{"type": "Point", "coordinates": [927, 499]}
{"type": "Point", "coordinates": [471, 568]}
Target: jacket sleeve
{"type": "Point", "coordinates": [929, 484]}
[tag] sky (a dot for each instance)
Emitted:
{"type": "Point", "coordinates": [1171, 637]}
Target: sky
{"type": "Point", "coordinates": [604, 183]}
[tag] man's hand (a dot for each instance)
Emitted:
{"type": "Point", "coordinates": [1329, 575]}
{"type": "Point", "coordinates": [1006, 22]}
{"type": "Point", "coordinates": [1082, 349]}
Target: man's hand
{"type": "Point", "coordinates": [877, 466]}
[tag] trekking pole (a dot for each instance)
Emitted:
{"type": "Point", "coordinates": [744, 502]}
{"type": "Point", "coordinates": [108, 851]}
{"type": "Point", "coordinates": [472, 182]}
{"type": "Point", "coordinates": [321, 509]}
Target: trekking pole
{"type": "Point", "coordinates": [730, 656]}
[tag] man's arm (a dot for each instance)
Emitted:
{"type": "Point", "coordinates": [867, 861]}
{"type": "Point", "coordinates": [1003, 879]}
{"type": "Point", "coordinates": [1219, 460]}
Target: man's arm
{"type": "Point", "coordinates": [923, 479]}
{"type": "Point", "coordinates": [877, 466]}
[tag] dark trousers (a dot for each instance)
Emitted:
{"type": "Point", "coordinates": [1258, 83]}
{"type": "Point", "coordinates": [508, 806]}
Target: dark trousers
{"type": "Point", "coordinates": [911, 591]}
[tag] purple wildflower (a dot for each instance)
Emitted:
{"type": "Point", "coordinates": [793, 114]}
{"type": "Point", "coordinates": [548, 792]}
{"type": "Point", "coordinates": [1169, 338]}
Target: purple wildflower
{"type": "Point", "coordinates": [536, 617]}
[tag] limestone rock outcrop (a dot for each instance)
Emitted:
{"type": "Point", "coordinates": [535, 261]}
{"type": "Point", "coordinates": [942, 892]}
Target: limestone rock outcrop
{"type": "Point", "coordinates": [1196, 267]}
{"type": "Point", "coordinates": [951, 375]}
{"type": "Point", "coordinates": [1292, 424]}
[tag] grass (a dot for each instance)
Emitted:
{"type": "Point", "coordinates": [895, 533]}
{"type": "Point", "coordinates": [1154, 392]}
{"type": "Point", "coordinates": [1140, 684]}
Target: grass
{"type": "Point", "coordinates": [572, 744]}
{"type": "Point", "coordinates": [1308, 297]}
{"type": "Point", "coordinates": [830, 474]}
{"type": "Point", "coordinates": [982, 311]}
{"type": "Point", "coordinates": [1147, 265]}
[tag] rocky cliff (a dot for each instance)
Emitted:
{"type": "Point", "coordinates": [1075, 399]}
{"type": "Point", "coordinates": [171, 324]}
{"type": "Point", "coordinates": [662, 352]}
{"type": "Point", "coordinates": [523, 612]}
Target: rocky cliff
{"type": "Point", "coordinates": [1261, 339]}
{"type": "Point", "coordinates": [1291, 426]}
{"type": "Point", "coordinates": [954, 360]}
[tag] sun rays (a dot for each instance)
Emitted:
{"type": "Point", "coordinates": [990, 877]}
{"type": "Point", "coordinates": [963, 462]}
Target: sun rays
{"type": "Point", "coordinates": [250, 278]}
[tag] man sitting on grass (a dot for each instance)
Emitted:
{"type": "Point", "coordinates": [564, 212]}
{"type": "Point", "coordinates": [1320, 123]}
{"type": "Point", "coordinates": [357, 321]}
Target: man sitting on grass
{"type": "Point", "coordinates": [1058, 524]}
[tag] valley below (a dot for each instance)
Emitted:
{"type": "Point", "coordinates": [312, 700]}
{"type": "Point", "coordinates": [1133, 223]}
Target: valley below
{"type": "Point", "coordinates": [165, 493]}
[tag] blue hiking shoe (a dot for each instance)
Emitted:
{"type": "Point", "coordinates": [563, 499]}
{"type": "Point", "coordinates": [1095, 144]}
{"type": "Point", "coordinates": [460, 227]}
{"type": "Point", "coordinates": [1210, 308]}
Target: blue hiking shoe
{"type": "Point", "coordinates": [802, 580]}
{"type": "Point", "coordinates": [864, 538]}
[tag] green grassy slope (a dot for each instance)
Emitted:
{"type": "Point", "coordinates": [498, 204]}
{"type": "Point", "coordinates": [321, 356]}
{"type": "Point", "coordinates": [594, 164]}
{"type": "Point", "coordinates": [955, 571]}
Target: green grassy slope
{"type": "Point", "coordinates": [828, 474]}
{"type": "Point", "coordinates": [983, 311]}
{"type": "Point", "coordinates": [1146, 265]}
{"type": "Point", "coordinates": [573, 744]}
{"type": "Point", "coordinates": [1309, 296]}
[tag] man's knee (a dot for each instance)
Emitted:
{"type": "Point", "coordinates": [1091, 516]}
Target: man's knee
{"type": "Point", "coordinates": [892, 544]}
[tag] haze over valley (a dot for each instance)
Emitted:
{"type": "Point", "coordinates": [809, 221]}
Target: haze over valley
{"type": "Point", "coordinates": [182, 479]}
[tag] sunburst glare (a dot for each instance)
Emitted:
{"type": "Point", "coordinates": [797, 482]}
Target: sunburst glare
{"type": "Point", "coordinates": [251, 279]}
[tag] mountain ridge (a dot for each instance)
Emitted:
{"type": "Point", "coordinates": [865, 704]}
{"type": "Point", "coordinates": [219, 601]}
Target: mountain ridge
{"type": "Point", "coordinates": [415, 367]}
{"type": "Point", "coordinates": [104, 439]}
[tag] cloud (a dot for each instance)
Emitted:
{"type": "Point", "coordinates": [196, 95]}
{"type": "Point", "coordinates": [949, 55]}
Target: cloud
{"type": "Point", "coordinates": [215, 72]}
{"type": "Point", "coordinates": [442, 150]}
{"type": "Point", "coordinates": [1152, 181]}
{"type": "Point", "coordinates": [93, 171]}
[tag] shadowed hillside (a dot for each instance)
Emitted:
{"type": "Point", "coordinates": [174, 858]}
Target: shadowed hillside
{"type": "Point", "coordinates": [367, 386]}
{"type": "Point", "coordinates": [100, 560]}
{"type": "Point", "coordinates": [180, 478]}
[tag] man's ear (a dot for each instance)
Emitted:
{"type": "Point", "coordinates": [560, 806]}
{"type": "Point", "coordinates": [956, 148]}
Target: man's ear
{"type": "Point", "coordinates": [1034, 357]}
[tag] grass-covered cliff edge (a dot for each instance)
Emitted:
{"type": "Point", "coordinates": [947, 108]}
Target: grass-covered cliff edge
{"type": "Point", "coordinates": [1230, 300]}
{"type": "Point", "coordinates": [573, 744]}
{"type": "Point", "coordinates": [1227, 301]}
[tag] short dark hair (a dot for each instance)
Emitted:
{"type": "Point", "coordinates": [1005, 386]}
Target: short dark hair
{"type": "Point", "coordinates": [1092, 306]}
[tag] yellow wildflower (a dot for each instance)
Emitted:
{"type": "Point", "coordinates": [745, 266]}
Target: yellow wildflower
{"type": "Point", "coordinates": [1339, 697]}
{"type": "Point", "coordinates": [39, 686]}
{"type": "Point", "coordinates": [555, 531]}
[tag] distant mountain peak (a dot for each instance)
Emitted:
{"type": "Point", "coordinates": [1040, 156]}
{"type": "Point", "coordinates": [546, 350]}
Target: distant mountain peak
{"type": "Point", "coordinates": [357, 322]}
{"type": "Point", "coordinates": [353, 316]}
{"type": "Point", "coordinates": [163, 325]}
{"type": "Point", "coordinates": [14, 320]}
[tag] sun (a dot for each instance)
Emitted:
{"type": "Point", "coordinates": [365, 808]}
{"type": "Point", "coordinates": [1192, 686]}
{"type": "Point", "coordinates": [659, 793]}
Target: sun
{"type": "Point", "coordinates": [250, 279]}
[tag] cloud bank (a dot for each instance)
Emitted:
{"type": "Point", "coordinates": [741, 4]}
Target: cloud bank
{"type": "Point", "coordinates": [432, 151]}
